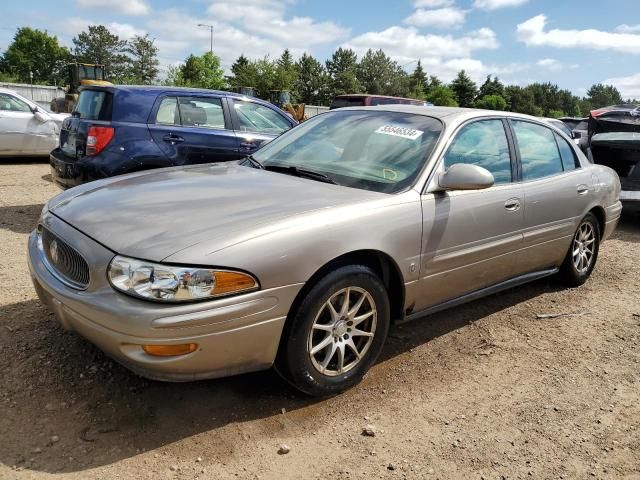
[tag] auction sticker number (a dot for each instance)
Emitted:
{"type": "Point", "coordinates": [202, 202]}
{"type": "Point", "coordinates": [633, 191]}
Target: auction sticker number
{"type": "Point", "coordinates": [403, 132]}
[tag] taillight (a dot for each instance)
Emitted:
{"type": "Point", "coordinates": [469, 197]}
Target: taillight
{"type": "Point", "coordinates": [97, 139]}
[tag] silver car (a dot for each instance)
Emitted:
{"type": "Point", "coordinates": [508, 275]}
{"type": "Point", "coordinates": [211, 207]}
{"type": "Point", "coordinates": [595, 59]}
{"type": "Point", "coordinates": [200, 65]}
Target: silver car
{"type": "Point", "coordinates": [304, 254]}
{"type": "Point", "coordinates": [26, 129]}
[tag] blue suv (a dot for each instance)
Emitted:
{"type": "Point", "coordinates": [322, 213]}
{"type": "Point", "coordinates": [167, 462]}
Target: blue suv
{"type": "Point", "coordinates": [122, 129]}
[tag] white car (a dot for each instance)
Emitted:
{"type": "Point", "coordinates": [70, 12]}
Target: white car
{"type": "Point", "coordinates": [27, 129]}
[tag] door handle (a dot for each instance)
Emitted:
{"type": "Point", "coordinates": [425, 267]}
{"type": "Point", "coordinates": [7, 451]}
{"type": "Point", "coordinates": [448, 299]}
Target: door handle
{"type": "Point", "coordinates": [247, 145]}
{"type": "Point", "coordinates": [583, 189]}
{"type": "Point", "coordinates": [513, 204]}
{"type": "Point", "coordinates": [173, 138]}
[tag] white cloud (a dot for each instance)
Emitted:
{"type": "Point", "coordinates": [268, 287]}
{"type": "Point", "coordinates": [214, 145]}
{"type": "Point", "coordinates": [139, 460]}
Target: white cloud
{"type": "Point", "coordinates": [624, 28]}
{"type": "Point", "coordinates": [408, 44]}
{"type": "Point", "coordinates": [127, 7]}
{"type": "Point", "coordinates": [267, 17]}
{"type": "Point", "coordinates": [432, 3]}
{"type": "Point", "coordinates": [446, 70]}
{"type": "Point", "coordinates": [495, 4]}
{"type": "Point", "coordinates": [629, 86]}
{"type": "Point", "coordinates": [533, 33]}
{"type": "Point", "coordinates": [441, 17]}
{"type": "Point", "coordinates": [75, 25]}
{"type": "Point", "coordinates": [554, 65]}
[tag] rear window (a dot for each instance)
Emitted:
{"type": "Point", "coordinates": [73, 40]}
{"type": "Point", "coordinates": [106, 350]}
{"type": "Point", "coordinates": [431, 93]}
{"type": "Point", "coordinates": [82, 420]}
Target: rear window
{"type": "Point", "coordinates": [394, 101]}
{"type": "Point", "coordinates": [342, 102]}
{"type": "Point", "coordinates": [94, 105]}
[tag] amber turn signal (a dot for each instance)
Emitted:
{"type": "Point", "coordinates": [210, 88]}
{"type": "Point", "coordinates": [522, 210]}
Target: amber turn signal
{"type": "Point", "coordinates": [228, 282]}
{"type": "Point", "coordinates": [170, 350]}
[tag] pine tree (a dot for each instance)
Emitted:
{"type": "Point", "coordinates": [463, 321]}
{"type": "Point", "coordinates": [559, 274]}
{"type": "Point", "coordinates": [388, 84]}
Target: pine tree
{"type": "Point", "coordinates": [464, 89]}
{"type": "Point", "coordinates": [342, 72]}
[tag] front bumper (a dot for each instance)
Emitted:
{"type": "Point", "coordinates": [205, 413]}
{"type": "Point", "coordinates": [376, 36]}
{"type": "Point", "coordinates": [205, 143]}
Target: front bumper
{"type": "Point", "coordinates": [234, 335]}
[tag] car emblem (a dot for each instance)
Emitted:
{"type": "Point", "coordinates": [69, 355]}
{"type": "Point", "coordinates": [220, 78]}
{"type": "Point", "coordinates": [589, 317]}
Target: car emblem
{"type": "Point", "coordinates": [53, 251]}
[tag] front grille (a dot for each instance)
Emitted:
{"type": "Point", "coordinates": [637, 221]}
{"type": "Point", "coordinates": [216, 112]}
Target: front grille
{"type": "Point", "coordinates": [66, 262]}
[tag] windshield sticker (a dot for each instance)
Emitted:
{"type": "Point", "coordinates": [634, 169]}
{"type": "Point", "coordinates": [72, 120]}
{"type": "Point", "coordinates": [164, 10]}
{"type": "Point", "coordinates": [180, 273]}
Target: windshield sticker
{"type": "Point", "coordinates": [403, 132]}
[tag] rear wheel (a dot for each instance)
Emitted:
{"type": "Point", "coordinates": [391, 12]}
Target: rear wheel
{"type": "Point", "coordinates": [336, 333]}
{"type": "Point", "coordinates": [583, 253]}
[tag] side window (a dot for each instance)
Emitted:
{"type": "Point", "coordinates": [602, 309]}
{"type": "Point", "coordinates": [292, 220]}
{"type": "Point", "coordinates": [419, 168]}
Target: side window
{"type": "Point", "coordinates": [201, 112]}
{"type": "Point", "coordinates": [569, 160]}
{"type": "Point", "coordinates": [12, 104]}
{"type": "Point", "coordinates": [254, 117]}
{"type": "Point", "coordinates": [168, 113]}
{"type": "Point", "coordinates": [483, 143]}
{"type": "Point", "coordinates": [538, 150]}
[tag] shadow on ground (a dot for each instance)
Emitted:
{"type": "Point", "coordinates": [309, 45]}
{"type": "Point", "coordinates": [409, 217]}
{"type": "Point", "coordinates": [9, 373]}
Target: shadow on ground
{"type": "Point", "coordinates": [20, 218]}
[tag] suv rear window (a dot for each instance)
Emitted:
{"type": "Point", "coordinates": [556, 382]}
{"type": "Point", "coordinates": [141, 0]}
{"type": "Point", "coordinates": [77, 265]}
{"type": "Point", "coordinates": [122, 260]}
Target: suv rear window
{"type": "Point", "coordinates": [94, 105]}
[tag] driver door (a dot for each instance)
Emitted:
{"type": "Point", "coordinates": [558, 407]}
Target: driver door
{"type": "Point", "coordinates": [471, 237]}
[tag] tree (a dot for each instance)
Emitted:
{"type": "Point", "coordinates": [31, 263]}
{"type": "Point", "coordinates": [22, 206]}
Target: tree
{"type": "Point", "coordinates": [600, 95]}
{"type": "Point", "coordinates": [98, 45]}
{"type": "Point", "coordinates": [419, 83]}
{"type": "Point", "coordinates": [311, 81]}
{"type": "Point", "coordinates": [441, 95]}
{"type": "Point", "coordinates": [35, 51]}
{"type": "Point", "coordinates": [202, 72]}
{"type": "Point", "coordinates": [342, 72]}
{"type": "Point", "coordinates": [244, 73]}
{"type": "Point", "coordinates": [375, 72]}
{"type": "Point", "coordinates": [491, 87]}
{"type": "Point", "coordinates": [492, 102]}
{"type": "Point", "coordinates": [144, 60]}
{"type": "Point", "coordinates": [464, 89]}
{"type": "Point", "coordinates": [266, 70]}
{"type": "Point", "coordinates": [286, 73]}
{"type": "Point", "coordinates": [521, 100]}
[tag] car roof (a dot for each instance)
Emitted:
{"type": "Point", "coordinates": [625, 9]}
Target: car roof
{"type": "Point", "coordinates": [157, 89]}
{"type": "Point", "coordinates": [450, 114]}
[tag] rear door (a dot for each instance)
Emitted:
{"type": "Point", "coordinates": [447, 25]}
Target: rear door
{"type": "Point", "coordinates": [256, 124]}
{"type": "Point", "coordinates": [193, 129]}
{"type": "Point", "coordinates": [556, 192]}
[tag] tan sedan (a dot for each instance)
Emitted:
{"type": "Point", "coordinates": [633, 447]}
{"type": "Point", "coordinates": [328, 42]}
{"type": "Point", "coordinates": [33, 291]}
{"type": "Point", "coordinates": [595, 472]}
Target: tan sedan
{"type": "Point", "coordinates": [304, 254]}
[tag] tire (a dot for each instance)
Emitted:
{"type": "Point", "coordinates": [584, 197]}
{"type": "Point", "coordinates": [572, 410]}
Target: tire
{"type": "Point", "coordinates": [313, 324]}
{"type": "Point", "coordinates": [585, 244]}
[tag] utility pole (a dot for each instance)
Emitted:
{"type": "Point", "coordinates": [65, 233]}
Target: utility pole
{"type": "Point", "coordinates": [210, 27]}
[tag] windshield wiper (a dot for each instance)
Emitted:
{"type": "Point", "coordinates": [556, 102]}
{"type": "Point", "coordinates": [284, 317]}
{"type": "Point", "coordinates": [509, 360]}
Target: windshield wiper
{"type": "Point", "coordinates": [256, 163]}
{"type": "Point", "coordinates": [301, 172]}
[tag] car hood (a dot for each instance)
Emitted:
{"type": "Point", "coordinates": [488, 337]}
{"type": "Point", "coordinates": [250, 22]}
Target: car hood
{"type": "Point", "coordinates": [154, 214]}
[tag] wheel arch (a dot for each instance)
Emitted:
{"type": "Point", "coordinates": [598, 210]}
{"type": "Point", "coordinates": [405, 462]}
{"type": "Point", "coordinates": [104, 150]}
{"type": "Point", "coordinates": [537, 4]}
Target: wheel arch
{"type": "Point", "coordinates": [600, 215]}
{"type": "Point", "coordinates": [381, 263]}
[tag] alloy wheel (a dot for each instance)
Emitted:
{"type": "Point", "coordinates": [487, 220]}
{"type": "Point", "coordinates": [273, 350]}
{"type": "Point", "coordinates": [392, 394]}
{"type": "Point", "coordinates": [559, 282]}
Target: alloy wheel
{"type": "Point", "coordinates": [342, 331]}
{"type": "Point", "coordinates": [583, 247]}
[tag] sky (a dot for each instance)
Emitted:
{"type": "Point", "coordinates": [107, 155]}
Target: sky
{"type": "Point", "coordinates": [574, 43]}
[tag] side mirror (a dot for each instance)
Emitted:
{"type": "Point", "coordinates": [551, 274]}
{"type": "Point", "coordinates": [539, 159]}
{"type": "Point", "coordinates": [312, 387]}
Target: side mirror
{"type": "Point", "coordinates": [41, 117]}
{"type": "Point", "coordinates": [464, 176]}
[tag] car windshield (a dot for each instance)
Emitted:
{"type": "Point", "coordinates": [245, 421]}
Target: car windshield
{"type": "Point", "coordinates": [371, 150]}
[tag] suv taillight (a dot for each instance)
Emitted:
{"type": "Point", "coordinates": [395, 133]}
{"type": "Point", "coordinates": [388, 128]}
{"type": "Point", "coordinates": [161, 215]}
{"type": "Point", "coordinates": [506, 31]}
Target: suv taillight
{"type": "Point", "coordinates": [97, 139]}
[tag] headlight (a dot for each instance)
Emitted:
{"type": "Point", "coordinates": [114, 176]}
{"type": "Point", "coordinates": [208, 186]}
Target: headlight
{"type": "Point", "coordinates": [168, 283]}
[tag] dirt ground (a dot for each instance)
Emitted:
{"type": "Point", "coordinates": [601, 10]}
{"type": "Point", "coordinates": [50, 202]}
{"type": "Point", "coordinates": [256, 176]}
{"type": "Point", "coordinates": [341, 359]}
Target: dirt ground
{"type": "Point", "coordinates": [485, 390]}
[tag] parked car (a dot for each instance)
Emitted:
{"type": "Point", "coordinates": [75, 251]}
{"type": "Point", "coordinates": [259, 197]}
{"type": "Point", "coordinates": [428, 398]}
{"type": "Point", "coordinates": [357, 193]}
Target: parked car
{"type": "Point", "coordinates": [304, 253]}
{"type": "Point", "coordinates": [580, 128]}
{"type": "Point", "coordinates": [564, 128]}
{"type": "Point", "coordinates": [122, 129]}
{"type": "Point", "coordinates": [26, 129]}
{"type": "Point", "coordinates": [614, 141]}
{"type": "Point", "coordinates": [359, 100]}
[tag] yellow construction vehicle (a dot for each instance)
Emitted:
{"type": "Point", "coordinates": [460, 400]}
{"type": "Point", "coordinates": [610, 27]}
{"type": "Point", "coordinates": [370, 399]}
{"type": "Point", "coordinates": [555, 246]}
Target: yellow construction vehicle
{"type": "Point", "coordinates": [80, 74]}
{"type": "Point", "coordinates": [282, 100]}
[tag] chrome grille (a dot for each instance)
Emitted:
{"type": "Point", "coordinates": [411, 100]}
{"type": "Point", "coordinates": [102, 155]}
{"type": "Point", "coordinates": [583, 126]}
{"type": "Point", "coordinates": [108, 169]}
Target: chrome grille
{"type": "Point", "coordinates": [66, 262]}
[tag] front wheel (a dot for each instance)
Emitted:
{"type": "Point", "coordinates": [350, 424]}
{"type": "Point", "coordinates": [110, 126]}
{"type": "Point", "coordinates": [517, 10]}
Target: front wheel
{"type": "Point", "coordinates": [336, 333]}
{"type": "Point", "coordinates": [583, 253]}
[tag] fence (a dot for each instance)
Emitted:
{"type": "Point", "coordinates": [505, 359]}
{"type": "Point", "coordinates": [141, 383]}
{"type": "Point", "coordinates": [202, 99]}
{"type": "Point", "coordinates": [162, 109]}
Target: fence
{"type": "Point", "coordinates": [40, 94]}
{"type": "Point", "coordinates": [312, 110]}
